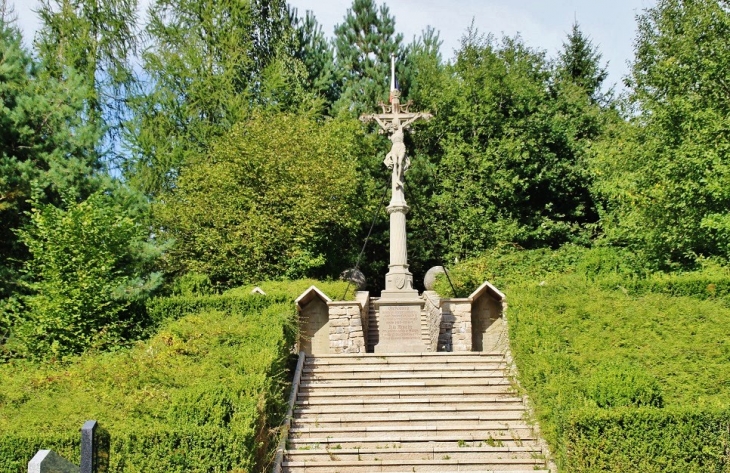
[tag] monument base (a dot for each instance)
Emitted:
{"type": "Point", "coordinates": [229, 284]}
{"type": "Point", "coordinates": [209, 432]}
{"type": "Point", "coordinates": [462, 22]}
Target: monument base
{"type": "Point", "coordinates": [399, 323]}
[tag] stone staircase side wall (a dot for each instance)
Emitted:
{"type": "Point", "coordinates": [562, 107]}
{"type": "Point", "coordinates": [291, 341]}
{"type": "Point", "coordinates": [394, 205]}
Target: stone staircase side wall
{"type": "Point", "coordinates": [363, 298]}
{"type": "Point", "coordinates": [457, 313]}
{"type": "Point", "coordinates": [433, 315]}
{"type": "Point", "coordinates": [346, 327]}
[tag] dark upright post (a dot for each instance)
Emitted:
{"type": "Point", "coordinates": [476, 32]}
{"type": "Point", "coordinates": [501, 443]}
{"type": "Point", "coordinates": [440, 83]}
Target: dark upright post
{"type": "Point", "coordinates": [94, 448]}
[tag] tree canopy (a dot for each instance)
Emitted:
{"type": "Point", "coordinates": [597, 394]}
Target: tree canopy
{"type": "Point", "coordinates": [238, 142]}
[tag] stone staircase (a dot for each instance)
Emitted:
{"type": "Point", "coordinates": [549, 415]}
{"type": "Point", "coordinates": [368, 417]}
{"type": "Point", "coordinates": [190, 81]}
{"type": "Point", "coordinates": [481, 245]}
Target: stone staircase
{"type": "Point", "coordinates": [436, 412]}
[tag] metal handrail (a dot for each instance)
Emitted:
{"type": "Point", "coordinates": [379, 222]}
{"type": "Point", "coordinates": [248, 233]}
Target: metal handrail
{"type": "Point", "coordinates": [279, 458]}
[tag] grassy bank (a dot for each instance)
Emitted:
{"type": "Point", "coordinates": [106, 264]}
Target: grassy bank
{"type": "Point", "coordinates": [627, 370]}
{"type": "Point", "coordinates": [200, 395]}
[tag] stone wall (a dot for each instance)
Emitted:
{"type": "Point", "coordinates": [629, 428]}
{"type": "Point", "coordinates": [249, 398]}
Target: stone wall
{"type": "Point", "coordinates": [433, 320]}
{"type": "Point", "coordinates": [363, 298]}
{"type": "Point", "coordinates": [346, 332]}
{"type": "Point", "coordinates": [457, 315]}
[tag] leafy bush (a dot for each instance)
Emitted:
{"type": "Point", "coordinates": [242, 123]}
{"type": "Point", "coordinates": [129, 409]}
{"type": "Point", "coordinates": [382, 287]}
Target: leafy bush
{"type": "Point", "coordinates": [87, 274]}
{"type": "Point", "coordinates": [268, 202]}
{"type": "Point", "coordinates": [161, 309]}
{"type": "Point", "coordinates": [193, 284]}
{"type": "Point", "coordinates": [197, 397]}
{"type": "Point", "coordinates": [240, 299]}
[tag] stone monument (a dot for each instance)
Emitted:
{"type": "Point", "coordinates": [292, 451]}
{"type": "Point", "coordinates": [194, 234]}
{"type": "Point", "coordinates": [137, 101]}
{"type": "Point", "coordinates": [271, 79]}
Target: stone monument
{"type": "Point", "coordinates": [401, 320]}
{"type": "Point", "coordinates": [400, 305]}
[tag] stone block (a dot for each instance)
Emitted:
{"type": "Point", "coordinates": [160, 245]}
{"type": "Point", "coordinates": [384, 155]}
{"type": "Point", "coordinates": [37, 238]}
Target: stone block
{"type": "Point", "coordinates": [95, 446]}
{"type": "Point", "coordinates": [48, 461]}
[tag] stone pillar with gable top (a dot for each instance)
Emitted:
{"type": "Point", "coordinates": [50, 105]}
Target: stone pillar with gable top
{"type": "Point", "coordinates": [346, 331]}
{"type": "Point", "coordinates": [457, 311]}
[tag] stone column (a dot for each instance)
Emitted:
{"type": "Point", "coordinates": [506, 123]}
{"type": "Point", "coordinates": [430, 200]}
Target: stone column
{"type": "Point", "coordinates": [399, 280]}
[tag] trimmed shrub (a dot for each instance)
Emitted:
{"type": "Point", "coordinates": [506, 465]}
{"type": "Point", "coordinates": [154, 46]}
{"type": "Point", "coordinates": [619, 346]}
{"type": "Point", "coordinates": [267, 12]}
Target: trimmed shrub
{"type": "Point", "coordinates": [623, 385]}
{"type": "Point", "coordinates": [199, 396]}
{"type": "Point", "coordinates": [679, 440]}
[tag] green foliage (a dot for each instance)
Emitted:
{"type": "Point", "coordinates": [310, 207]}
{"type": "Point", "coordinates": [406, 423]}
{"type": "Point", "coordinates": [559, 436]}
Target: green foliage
{"type": "Point", "coordinates": [675, 440]}
{"type": "Point", "coordinates": [206, 63]}
{"type": "Point", "coordinates": [506, 152]}
{"type": "Point", "coordinates": [46, 145]}
{"type": "Point", "coordinates": [97, 41]}
{"type": "Point", "coordinates": [364, 42]}
{"type": "Point", "coordinates": [199, 396]}
{"type": "Point", "coordinates": [193, 284]}
{"type": "Point", "coordinates": [580, 62]}
{"type": "Point", "coordinates": [316, 54]}
{"type": "Point", "coordinates": [664, 175]}
{"type": "Point", "coordinates": [290, 290]}
{"type": "Point", "coordinates": [623, 385]}
{"type": "Point", "coordinates": [86, 277]}
{"type": "Point", "coordinates": [161, 309]}
{"type": "Point", "coordinates": [615, 358]}
{"type": "Point", "coordinates": [278, 196]}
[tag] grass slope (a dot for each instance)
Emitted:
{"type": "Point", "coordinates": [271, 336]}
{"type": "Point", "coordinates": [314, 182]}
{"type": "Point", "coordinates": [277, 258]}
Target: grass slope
{"type": "Point", "coordinates": [198, 396]}
{"type": "Point", "coordinates": [625, 375]}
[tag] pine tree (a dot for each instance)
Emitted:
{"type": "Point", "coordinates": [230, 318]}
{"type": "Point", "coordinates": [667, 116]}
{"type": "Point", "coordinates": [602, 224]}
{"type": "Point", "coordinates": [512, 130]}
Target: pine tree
{"type": "Point", "coordinates": [46, 147]}
{"type": "Point", "coordinates": [98, 41]}
{"type": "Point", "coordinates": [580, 63]}
{"type": "Point", "coordinates": [312, 48]}
{"type": "Point", "coordinates": [364, 43]}
{"type": "Point", "coordinates": [207, 63]}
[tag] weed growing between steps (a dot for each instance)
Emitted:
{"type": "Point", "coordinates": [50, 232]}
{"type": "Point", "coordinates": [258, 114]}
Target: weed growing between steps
{"type": "Point", "coordinates": [627, 371]}
{"type": "Point", "coordinates": [200, 395]}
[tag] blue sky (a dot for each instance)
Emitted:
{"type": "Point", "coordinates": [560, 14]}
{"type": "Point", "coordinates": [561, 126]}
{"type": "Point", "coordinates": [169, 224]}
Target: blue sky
{"type": "Point", "coordinates": [542, 23]}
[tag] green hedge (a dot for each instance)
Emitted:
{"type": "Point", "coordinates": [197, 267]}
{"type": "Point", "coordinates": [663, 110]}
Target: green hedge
{"type": "Point", "coordinates": [199, 396]}
{"type": "Point", "coordinates": [169, 308]}
{"type": "Point", "coordinates": [241, 300]}
{"type": "Point", "coordinates": [179, 449]}
{"type": "Point", "coordinates": [647, 440]}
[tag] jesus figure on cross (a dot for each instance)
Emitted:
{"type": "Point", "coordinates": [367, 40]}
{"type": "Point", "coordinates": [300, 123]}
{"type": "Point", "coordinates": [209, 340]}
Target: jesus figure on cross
{"type": "Point", "coordinates": [394, 120]}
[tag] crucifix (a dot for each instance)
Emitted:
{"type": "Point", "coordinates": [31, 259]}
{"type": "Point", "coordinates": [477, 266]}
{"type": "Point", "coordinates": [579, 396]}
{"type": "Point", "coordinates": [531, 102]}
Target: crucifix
{"type": "Point", "coordinates": [394, 120]}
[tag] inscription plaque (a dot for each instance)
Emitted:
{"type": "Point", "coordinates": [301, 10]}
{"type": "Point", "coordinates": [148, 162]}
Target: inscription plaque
{"type": "Point", "coordinates": [399, 329]}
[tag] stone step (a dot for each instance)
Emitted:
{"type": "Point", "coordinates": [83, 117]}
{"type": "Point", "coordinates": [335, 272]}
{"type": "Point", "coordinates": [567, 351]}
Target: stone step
{"type": "Point", "coordinates": [337, 453]}
{"type": "Point", "coordinates": [430, 412]}
{"type": "Point", "coordinates": [464, 424]}
{"type": "Point", "coordinates": [395, 440]}
{"type": "Point", "coordinates": [507, 409]}
{"type": "Point", "coordinates": [488, 430]}
{"type": "Point", "coordinates": [444, 357]}
{"type": "Point", "coordinates": [440, 393]}
{"type": "Point", "coordinates": [406, 367]}
{"type": "Point", "coordinates": [424, 416]}
{"type": "Point", "coordinates": [371, 359]}
{"type": "Point", "coordinates": [472, 400]}
{"type": "Point", "coordinates": [475, 376]}
{"type": "Point", "coordinates": [413, 466]}
{"type": "Point", "coordinates": [439, 470]}
{"type": "Point", "coordinates": [401, 383]}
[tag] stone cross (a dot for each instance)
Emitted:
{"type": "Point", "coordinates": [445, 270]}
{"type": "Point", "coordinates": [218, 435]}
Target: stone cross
{"type": "Point", "coordinates": [394, 120]}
